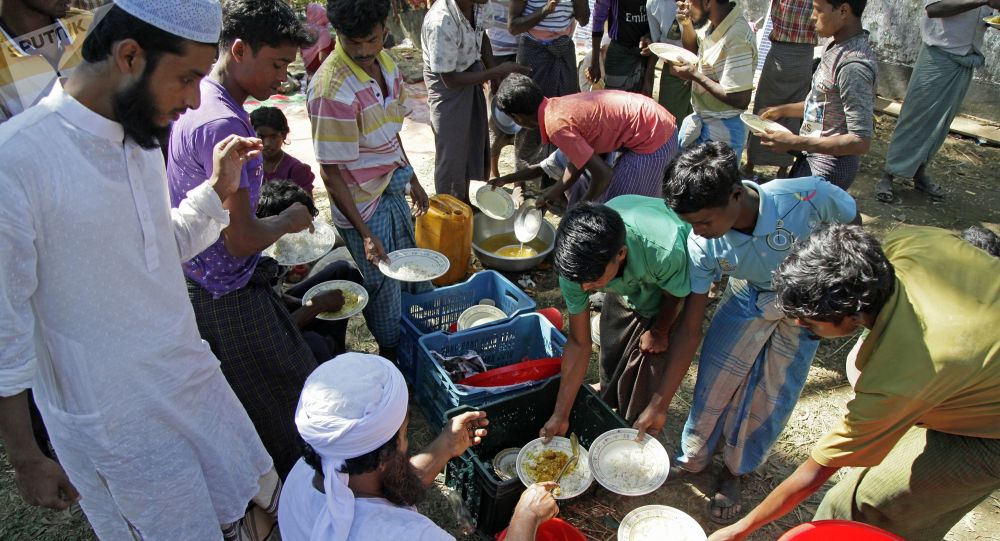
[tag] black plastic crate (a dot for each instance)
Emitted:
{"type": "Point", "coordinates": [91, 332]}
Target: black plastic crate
{"type": "Point", "coordinates": [515, 421]}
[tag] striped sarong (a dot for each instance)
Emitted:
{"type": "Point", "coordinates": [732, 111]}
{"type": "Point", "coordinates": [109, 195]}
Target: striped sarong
{"type": "Point", "coordinates": [697, 129]}
{"type": "Point", "coordinates": [933, 97]}
{"type": "Point", "coordinates": [261, 354]}
{"type": "Point", "coordinates": [752, 367]}
{"type": "Point", "coordinates": [392, 223]}
{"type": "Point", "coordinates": [553, 69]}
{"type": "Point", "coordinates": [922, 488]}
{"type": "Point", "coordinates": [633, 174]}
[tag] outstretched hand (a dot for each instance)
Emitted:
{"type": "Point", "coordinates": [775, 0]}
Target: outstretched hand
{"type": "Point", "coordinates": [464, 431]}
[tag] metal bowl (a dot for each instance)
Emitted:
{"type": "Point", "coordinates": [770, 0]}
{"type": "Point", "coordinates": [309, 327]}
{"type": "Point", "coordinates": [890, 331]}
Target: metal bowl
{"type": "Point", "coordinates": [484, 227]}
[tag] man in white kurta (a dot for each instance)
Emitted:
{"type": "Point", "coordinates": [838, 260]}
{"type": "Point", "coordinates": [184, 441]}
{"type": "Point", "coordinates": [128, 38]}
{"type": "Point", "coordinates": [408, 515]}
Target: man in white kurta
{"type": "Point", "coordinates": [95, 318]}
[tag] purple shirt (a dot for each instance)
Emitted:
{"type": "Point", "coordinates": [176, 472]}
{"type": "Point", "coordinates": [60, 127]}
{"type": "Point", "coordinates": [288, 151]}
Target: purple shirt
{"type": "Point", "coordinates": [292, 169]}
{"type": "Point", "coordinates": [189, 163]}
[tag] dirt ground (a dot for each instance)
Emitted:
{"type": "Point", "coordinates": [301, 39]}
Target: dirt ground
{"type": "Point", "coordinates": [969, 175]}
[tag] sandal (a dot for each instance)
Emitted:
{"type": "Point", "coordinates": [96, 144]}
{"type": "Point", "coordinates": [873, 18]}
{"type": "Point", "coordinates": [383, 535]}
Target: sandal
{"type": "Point", "coordinates": [727, 500]}
{"type": "Point", "coordinates": [883, 189]}
{"type": "Point", "coordinates": [929, 187]}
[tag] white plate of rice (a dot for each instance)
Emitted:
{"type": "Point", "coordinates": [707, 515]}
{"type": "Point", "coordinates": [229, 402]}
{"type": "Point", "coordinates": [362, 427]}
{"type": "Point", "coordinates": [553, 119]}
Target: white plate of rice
{"type": "Point", "coordinates": [672, 53]}
{"type": "Point", "coordinates": [627, 467]}
{"type": "Point", "coordinates": [303, 247]}
{"type": "Point", "coordinates": [415, 265]}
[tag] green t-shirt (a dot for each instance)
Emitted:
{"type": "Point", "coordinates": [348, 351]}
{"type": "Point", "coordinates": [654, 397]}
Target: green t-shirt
{"type": "Point", "coordinates": [656, 261]}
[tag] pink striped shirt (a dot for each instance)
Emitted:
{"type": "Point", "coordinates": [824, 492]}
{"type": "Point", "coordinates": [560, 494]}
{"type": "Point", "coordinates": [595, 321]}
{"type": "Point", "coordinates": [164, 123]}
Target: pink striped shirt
{"type": "Point", "coordinates": [355, 127]}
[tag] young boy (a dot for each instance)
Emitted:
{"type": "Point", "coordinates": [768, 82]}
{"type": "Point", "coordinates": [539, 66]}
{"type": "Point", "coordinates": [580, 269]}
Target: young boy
{"type": "Point", "coordinates": [837, 116]}
{"type": "Point", "coordinates": [326, 339]}
{"type": "Point", "coordinates": [272, 128]}
{"type": "Point", "coordinates": [921, 435]}
{"type": "Point", "coordinates": [585, 126]}
{"type": "Point", "coordinates": [263, 355]}
{"type": "Point", "coordinates": [754, 361]}
{"type": "Point", "coordinates": [632, 249]}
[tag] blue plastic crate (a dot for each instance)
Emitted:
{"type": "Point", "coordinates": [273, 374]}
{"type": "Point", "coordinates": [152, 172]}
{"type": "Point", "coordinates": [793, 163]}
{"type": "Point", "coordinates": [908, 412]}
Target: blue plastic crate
{"type": "Point", "coordinates": [436, 310]}
{"type": "Point", "coordinates": [525, 337]}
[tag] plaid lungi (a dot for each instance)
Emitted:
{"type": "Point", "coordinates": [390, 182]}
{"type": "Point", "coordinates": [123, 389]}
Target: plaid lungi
{"type": "Point", "coordinates": [392, 223]}
{"type": "Point", "coordinates": [838, 170]}
{"type": "Point", "coordinates": [922, 488]}
{"type": "Point", "coordinates": [752, 368]}
{"type": "Point", "coordinates": [696, 129]}
{"type": "Point", "coordinates": [262, 355]}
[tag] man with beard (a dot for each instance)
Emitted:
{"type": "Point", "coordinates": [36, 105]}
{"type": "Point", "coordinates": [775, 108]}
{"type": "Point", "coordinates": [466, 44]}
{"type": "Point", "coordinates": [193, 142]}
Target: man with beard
{"type": "Point", "coordinates": [263, 354]}
{"type": "Point", "coordinates": [355, 481]}
{"type": "Point", "coordinates": [40, 41]}
{"type": "Point", "coordinates": [150, 436]}
{"type": "Point", "coordinates": [754, 360]}
{"type": "Point", "coordinates": [722, 80]}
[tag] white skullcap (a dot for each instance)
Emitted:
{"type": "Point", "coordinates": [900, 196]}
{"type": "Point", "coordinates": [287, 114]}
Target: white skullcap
{"type": "Point", "coordinates": [196, 20]}
{"type": "Point", "coordinates": [351, 405]}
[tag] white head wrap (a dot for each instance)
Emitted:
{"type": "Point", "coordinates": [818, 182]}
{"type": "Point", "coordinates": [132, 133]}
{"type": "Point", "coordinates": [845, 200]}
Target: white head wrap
{"type": "Point", "coordinates": [196, 20]}
{"type": "Point", "coordinates": [350, 406]}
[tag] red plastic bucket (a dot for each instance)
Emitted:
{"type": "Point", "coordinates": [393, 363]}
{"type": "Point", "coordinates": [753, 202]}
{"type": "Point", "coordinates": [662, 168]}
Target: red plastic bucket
{"type": "Point", "coordinates": [554, 529]}
{"type": "Point", "coordinates": [837, 530]}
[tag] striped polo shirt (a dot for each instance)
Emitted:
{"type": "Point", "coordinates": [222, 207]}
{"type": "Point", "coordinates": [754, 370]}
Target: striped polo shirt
{"type": "Point", "coordinates": [355, 127]}
{"type": "Point", "coordinates": [558, 23]}
{"type": "Point", "coordinates": [727, 55]}
{"type": "Point", "coordinates": [26, 76]}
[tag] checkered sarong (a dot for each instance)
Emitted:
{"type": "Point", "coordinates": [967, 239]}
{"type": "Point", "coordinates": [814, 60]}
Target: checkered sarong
{"type": "Point", "coordinates": [392, 223]}
{"type": "Point", "coordinates": [262, 355]}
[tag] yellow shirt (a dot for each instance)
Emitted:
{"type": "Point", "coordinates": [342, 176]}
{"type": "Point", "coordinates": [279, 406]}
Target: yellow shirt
{"type": "Point", "coordinates": [932, 358]}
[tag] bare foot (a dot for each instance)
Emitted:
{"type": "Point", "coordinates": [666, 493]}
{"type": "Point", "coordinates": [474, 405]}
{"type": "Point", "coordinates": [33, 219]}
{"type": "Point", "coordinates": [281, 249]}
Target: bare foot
{"type": "Point", "coordinates": [678, 473]}
{"type": "Point", "coordinates": [726, 505]}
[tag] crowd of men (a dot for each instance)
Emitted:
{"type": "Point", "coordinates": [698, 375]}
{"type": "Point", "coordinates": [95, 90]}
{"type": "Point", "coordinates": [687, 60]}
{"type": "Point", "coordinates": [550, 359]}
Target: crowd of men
{"type": "Point", "coordinates": [185, 397]}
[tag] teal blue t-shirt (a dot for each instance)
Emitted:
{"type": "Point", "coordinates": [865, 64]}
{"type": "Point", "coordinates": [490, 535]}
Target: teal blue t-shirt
{"type": "Point", "coordinates": [790, 209]}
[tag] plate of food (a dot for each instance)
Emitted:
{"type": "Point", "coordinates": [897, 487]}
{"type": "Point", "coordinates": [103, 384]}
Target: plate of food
{"type": "Point", "coordinates": [538, 462]}
{"type": "Point", "coordinates": [494, 202]}
{"type": "Point", "coordinates": [414, 265]}
{"type": "Point", "coordinates": [993, 22]}
{"type": "Point", "coordinates": [626, 466]}
{"type": "Point", "coordinates": [303, 247]}
{"type": "Point", "coordinates": [657, 522]}
{"type": "Point", "coordinates": [672, 53]}
{"type": "Point", "coordinates": [355, 298]}
{"type": "Point", "coordinates": [761, 125]}
{"type": "Point", "coordinates": [505, 463]}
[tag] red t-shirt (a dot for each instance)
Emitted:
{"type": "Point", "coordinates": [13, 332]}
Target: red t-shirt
{"type": "Point", "coordinates": [603, 121]}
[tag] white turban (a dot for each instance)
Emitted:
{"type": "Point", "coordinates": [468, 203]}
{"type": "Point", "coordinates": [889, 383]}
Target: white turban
{"type": "Point", "coordinates": [350, 406]}
{"type": "Point", "coordinates": [196, 20]}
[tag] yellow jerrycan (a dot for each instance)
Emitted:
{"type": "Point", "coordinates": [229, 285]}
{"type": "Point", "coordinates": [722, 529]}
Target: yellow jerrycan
{"type": "Point", "coordinates": [447, 228]}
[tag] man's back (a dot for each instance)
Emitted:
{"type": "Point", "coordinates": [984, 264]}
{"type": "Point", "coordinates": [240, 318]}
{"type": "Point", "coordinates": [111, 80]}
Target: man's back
{"type": "Point", "coordinates": [609, 120]}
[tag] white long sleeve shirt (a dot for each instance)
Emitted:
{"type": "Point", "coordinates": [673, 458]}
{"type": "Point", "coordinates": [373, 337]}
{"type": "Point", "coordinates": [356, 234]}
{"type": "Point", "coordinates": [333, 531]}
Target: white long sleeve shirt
{"type": "Point", "coordinates": [95, 317]}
